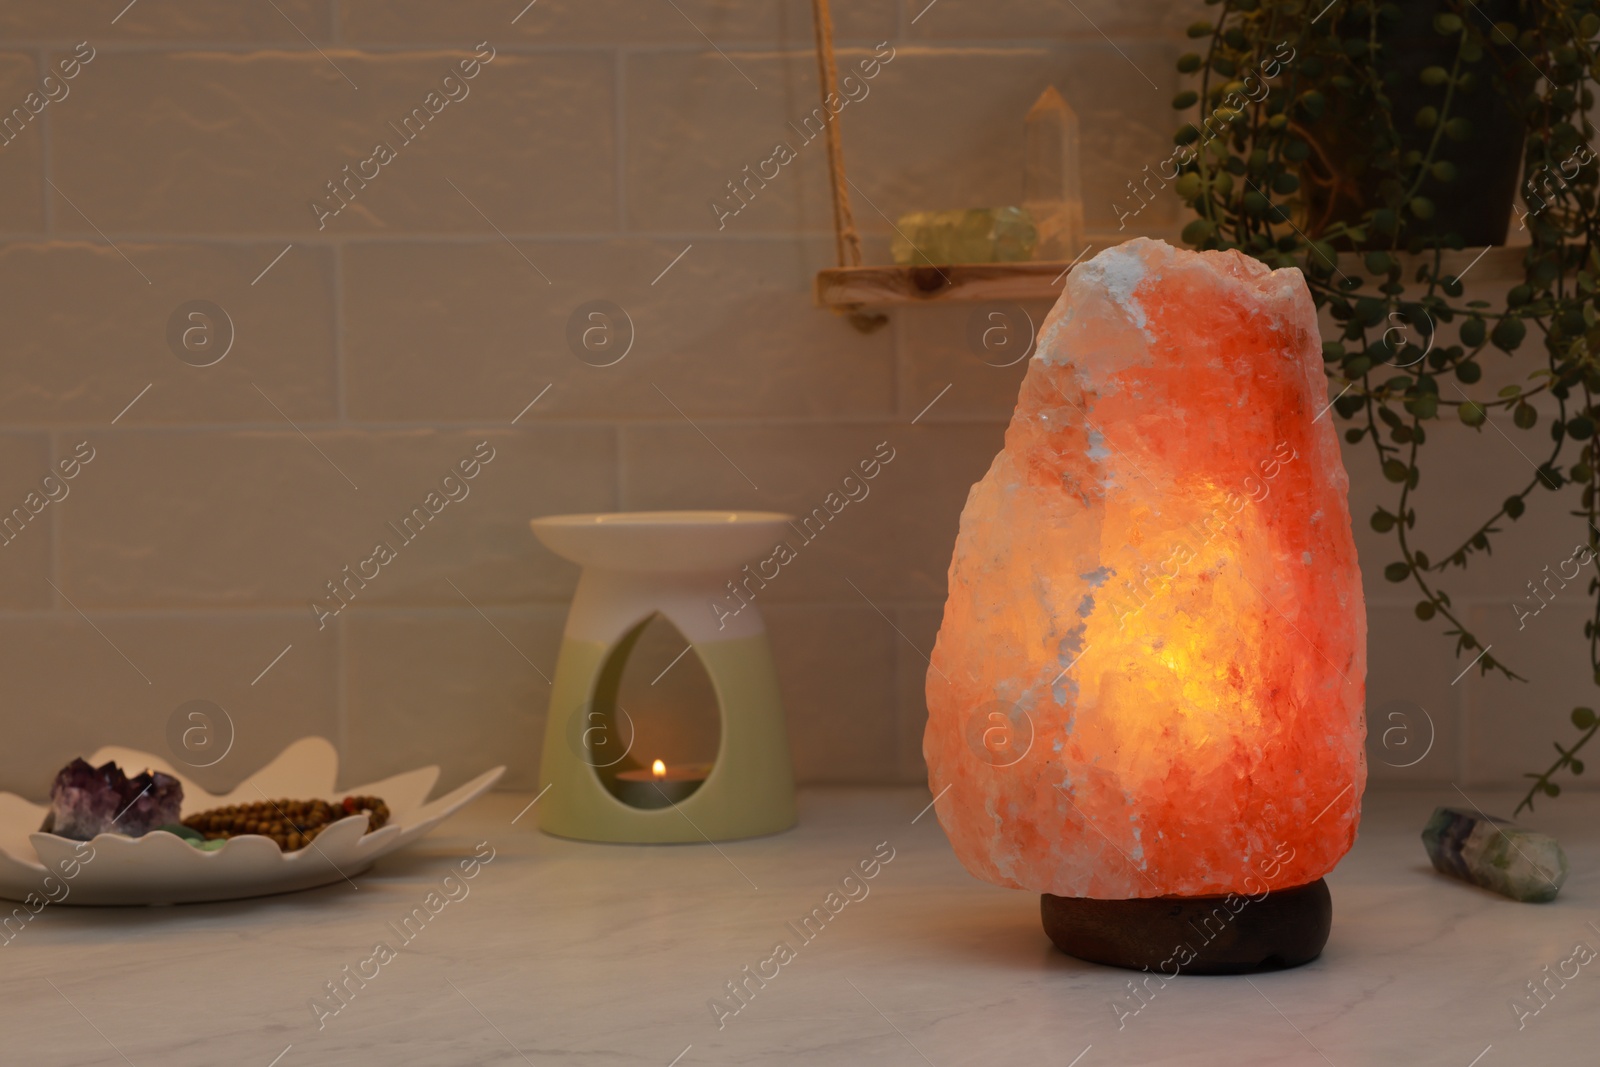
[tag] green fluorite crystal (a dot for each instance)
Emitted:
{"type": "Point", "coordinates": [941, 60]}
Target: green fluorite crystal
{"type": "Point", "coordinates": [981, 235]}
{"type": "Point", "coordinates": [1495, 854]}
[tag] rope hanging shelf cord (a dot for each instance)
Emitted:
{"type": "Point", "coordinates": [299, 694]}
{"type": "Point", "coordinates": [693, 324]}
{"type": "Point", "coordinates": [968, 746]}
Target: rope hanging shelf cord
{"type": "Point", "coordinates": [847, 242]}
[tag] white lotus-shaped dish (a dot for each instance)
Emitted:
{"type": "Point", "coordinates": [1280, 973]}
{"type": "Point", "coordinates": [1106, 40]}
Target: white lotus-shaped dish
{"type": "Point", "coordinates": [161, 868]}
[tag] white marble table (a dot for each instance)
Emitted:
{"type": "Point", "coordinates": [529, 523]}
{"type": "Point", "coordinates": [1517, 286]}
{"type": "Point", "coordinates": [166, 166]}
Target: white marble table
{"type": "Point", "coordinates": [566, 953]}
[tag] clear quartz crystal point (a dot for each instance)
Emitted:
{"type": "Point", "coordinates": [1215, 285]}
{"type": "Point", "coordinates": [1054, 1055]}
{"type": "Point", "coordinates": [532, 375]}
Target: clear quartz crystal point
{"type": "Point", "coordinates": [1052, 185]}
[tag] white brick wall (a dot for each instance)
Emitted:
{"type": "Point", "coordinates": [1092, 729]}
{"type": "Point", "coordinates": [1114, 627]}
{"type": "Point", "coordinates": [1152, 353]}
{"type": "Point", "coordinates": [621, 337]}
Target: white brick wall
{"type": "Point", "coordinates": [412, 326]}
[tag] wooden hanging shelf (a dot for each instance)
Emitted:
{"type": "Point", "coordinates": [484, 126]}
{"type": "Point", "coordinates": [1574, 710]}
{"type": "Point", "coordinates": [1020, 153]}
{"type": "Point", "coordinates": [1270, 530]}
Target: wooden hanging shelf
{"type": "Point", "coordinates": [853, 288]}
{"type": "Point", "coordinates": [849, 288]}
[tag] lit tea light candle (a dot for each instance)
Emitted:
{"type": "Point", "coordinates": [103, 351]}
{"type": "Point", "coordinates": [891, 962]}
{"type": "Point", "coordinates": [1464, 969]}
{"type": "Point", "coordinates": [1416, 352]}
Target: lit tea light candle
{"type": "Point", "coordinates": [660, 786]}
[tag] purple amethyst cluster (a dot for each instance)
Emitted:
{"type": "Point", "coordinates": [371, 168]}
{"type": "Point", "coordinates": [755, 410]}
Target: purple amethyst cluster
{"type": "Point", "coordinates": [87, 800]}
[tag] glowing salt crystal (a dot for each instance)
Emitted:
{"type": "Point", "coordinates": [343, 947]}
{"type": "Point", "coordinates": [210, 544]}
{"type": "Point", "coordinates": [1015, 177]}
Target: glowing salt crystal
{"type": "Point", "coordinates": [1144, 685]}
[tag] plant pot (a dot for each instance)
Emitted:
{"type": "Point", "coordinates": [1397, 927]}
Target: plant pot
{"type": "Point", "coordinates": [1477, 204]}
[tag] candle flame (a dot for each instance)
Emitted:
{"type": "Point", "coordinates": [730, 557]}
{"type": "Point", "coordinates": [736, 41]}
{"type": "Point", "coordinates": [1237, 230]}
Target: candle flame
{"type": "Point", "coordinates": [658, 769]}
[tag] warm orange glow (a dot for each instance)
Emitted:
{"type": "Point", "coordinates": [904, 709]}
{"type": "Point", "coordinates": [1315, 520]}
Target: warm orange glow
{"type": "Point", "coordinates": [1149, 678]}
{"type": "Point", "coordinates": [659, 769]}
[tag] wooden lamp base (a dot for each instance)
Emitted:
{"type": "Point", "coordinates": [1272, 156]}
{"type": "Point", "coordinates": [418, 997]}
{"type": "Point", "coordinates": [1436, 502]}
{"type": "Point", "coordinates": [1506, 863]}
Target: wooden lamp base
{"type": "Point", "coordinates": [1231, 934]}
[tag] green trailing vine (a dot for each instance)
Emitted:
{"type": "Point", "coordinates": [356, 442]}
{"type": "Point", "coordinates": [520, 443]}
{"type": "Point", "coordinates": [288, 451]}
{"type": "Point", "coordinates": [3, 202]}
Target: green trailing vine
{"type": "Point", "coordinates": [1308, 150]}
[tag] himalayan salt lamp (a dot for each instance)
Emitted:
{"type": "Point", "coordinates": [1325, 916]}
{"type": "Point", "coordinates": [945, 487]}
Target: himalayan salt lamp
{"type": "Point", "coordinates": [1146, 695]}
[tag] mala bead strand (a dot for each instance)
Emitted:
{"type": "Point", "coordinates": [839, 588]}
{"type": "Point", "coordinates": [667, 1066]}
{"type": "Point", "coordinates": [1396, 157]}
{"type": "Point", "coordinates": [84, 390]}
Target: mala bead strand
{"type": "Point", "coordinates": [291, 824]}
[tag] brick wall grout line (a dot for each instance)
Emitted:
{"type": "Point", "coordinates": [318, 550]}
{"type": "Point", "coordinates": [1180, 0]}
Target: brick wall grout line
{"type": "Point", "coordinates": [309, 239]}
{"type": "Point", "coordinates": [798, 50]}
{"type": "Point", "coordinates": [620, 136]}
{"type": "Point", "coordinates": [748, 420]}
{"type": "Point", "coordinates": [46, 147]}
{"type": "Point", "coordinates": [285, 612]}
{"type": "Point", "coordinates": [621, 481]}
{"type": "Point", "coordinates": [53, 562]}
{"type": "Point", "coordinates": [341, 694]}
{"type": "Point", "coordinates": [340, 406]}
